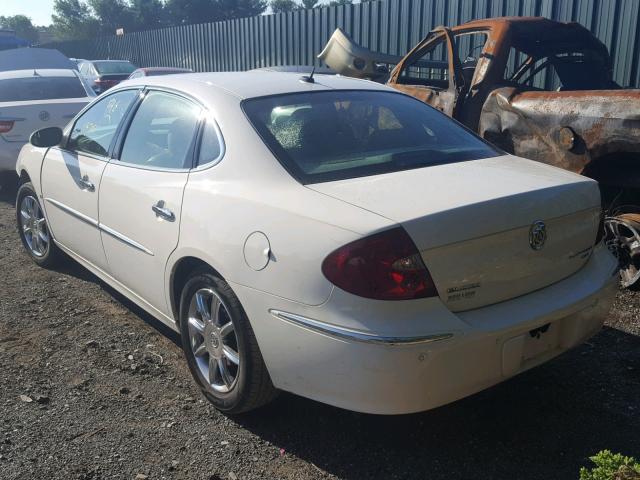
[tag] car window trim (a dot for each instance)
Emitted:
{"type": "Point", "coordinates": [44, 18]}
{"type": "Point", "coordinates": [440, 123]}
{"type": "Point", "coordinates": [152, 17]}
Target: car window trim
{"type": "Point", "coordinates": [195, 143]}
{"type": "Point", "coordinates": [64, 145]}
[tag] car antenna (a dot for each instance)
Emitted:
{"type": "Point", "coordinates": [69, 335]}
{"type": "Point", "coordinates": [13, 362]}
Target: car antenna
{"type": "Point", "coordinates": [309, 78]}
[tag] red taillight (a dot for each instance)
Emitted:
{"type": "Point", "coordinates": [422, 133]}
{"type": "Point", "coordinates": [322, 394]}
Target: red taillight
{"type": "Point", "coordinates": [6, 126]}
{"type": "Point", "coordinates": [383, 266]}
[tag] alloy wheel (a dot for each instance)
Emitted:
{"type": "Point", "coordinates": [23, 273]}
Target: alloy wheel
{"type": "Point", "coordinates": [34, 226]}
{"type": "Point", "coordinates": [625, 230]}
{"type": "Point", "coordinates": [213, 340]}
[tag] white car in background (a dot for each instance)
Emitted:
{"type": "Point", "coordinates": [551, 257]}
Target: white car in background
{"type": "Point", "coordinates": [33, 99]}
{"type": "Point", "coordinates": [329, 237]}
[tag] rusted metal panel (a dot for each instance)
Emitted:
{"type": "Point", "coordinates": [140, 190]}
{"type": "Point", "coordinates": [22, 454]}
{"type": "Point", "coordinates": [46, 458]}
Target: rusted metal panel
{"type": "Point", "coordinates": [529, 124]}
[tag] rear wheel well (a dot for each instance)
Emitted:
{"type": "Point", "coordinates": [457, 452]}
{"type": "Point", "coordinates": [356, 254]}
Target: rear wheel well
{"type": "Point", "coordinates": [181, 273]}
{"type": "Point", "coordinates": [24, 177]}
{"type": "Point", "coordinates": [619, 176]}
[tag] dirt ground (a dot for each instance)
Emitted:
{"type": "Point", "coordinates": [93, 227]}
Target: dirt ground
{"type": "Point", "coordinates": [91, 387]}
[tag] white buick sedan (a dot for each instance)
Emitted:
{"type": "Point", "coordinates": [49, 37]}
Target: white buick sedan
{"type": "Point", "coordinates": [329, 237]}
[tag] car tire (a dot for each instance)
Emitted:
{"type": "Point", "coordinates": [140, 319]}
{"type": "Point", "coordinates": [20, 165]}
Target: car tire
{"type": "Point", "coordinates": [33, 229]}
{"type": "Point", "coordinates": [220, 346]}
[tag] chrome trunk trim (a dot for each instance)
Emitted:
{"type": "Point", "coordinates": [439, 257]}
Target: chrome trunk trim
{"type": "Point", "coordinates": [355, 335]}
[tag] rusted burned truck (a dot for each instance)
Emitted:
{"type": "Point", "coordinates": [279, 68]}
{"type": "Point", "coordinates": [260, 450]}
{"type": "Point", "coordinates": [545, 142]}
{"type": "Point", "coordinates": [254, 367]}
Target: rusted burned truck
{"type": "Point", "coordinates": [534, 87]}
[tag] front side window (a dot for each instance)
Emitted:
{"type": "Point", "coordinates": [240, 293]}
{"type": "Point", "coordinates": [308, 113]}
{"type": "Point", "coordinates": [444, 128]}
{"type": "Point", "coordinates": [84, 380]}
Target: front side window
{"type": "Point", "coordinates": [162, 132]}
{"type": "Point", "coordinates": [469, 48]}
{"type": "Point", "coordinates": [429, 68]}
{"type": "Point", "coordinates": [40, 88]}
{"type": "Point", "coordinates": [93, 132]}
{"type": "Point", "coordinates": [328, 136]}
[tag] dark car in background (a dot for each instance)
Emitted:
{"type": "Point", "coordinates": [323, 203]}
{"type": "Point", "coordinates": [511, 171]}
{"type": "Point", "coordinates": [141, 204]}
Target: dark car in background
{"type": "Point", "coordinates": [104, 74]}
{"type": "Point", "coordinates": [156, 71]}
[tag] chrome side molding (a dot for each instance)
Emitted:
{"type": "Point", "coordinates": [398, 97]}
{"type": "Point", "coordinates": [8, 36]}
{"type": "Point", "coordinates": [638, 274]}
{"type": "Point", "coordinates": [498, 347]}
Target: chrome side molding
{"type": "Point", "coordinates": [343, 333]}
{"type": "Point", "coordinates": [117, 235]}
{"type": "Point", "coordinates": [72, 212]}
{"type": "Point", "coordinates": [100, 226]}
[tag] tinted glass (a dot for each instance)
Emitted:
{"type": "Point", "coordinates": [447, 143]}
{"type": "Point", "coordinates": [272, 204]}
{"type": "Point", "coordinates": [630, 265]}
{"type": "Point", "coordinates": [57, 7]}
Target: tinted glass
{"type": "Point", "coordinates": [162, 131]}
{"type": "Point", "coordinates": [95, 129]}
{"type": "Point", "coordinates": [334, 135]}
{"type": "Point", "coordinates": [40, 88]}
{"type": "Point", "coordinates": [210, 147]}
{"type": "Point", "coordinates": [106, 68]}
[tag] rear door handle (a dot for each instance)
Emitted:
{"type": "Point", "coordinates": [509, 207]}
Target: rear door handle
{"type": "Point", "coordinates": [162, 211]}
{"type": "Point", "coordinates": [85, 184]}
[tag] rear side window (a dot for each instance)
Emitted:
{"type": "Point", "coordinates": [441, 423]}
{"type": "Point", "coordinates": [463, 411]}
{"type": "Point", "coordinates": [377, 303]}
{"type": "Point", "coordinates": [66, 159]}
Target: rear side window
{"type": "Point", "coordinates": [107, 68]}
{"type": "Point", "coordinates": [211, 143]}
{"type": "Point", "coordinates": [162, 132]}
{"type": "Point", "coordinates": [95, 129]}
{"type": "Point", "coordinates": [40, 88]}
{"type": "Point", "coordinates": [326, 136]}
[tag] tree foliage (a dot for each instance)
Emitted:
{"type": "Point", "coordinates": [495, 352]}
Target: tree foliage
{"type": "Point", "coordinates": [72, 19]}
{"type": "Point", "coordinates": [80, 19]}
{"type": "Point", "coordinates": [281, 6]}
{"type": "Point", "coordinates": [611, 466]}
{"type": "Point", "coordinates": [22, 25]}
{"type": "Point", "coordinates": [310, 3]}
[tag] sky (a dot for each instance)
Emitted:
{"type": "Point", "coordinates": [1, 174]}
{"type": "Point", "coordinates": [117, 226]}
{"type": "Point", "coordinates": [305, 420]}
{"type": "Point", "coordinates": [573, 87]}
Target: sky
{"type": "Point", "coordinates": [39, 10]}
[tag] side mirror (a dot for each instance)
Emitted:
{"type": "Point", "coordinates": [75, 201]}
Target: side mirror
{"type": "Point", "coordinates": [46, 137]}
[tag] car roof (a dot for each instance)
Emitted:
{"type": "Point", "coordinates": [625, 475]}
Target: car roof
{"type": "Point", "coordinates": [42, 72]}
{"type": "Point", "coordinates": [164, 69]}
{"type": "Point", "coordinates": [24, 58]}
{"type": "Point", "coordinates": [253, 84]}
{"type": "Point", "coordinates": [539, 36]}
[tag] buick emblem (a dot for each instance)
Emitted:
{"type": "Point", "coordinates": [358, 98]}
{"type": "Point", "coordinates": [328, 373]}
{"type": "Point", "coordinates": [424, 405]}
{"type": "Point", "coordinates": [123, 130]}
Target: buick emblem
{"type": "Point", "coordinates": [537, 235]}
{"type": "Point", "coordinates": [44, 115]}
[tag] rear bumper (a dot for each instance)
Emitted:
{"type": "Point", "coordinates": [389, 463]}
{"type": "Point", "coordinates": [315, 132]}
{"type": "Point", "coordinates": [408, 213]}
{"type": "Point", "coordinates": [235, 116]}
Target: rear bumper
{"type": "Point", "coordinates": [9, 152]}
{"type": "Point", "coordinates": [425, 356]}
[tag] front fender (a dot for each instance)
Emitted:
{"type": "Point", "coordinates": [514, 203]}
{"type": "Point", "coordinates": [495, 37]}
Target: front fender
{"type": "Point", "coordinates": [30, 162]}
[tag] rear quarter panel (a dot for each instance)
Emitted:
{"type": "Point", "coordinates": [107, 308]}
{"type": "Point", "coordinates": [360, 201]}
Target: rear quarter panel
{"type": "Point", "coordinates": [249, 191]}
{"type": "Point", "coordinates": [530, 124]}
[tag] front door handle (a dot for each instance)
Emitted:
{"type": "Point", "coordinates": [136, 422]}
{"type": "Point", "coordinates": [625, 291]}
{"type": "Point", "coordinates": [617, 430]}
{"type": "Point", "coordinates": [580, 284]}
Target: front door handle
{"type": "Point", "coordinates": [162, 211]}
{"type": "Point", "coordinates": [85, 184]}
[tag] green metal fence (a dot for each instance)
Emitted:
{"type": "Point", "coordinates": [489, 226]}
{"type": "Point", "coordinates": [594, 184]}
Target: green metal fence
{"type": "Point", "coordinates": [389, 26]}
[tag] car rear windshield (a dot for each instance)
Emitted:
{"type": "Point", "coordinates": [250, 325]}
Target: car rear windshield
{"type": "Point", "coordinates": [111, 68]}
{"type": "Point", "coordinates": [40, 88]}
{"type": "Point", "coordinates": [334, 135]}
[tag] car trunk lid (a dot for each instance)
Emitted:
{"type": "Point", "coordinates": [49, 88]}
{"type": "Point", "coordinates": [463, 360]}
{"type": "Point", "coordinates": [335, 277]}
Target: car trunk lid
{"type": "Point", "coordinates": [20, 119]}
{"type": "Point", "coordinates": [472, 222]}
{"type": "Point", "coordinates": [111, 79]}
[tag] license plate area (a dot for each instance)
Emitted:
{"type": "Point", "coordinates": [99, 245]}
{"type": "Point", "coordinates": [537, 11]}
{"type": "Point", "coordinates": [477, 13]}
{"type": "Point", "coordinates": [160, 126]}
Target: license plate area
{"type": "Point", "coordinates": [518, 352]}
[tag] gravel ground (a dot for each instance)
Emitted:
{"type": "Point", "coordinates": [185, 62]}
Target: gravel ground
{"type": "Point", "coordinates": [91, 387]}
